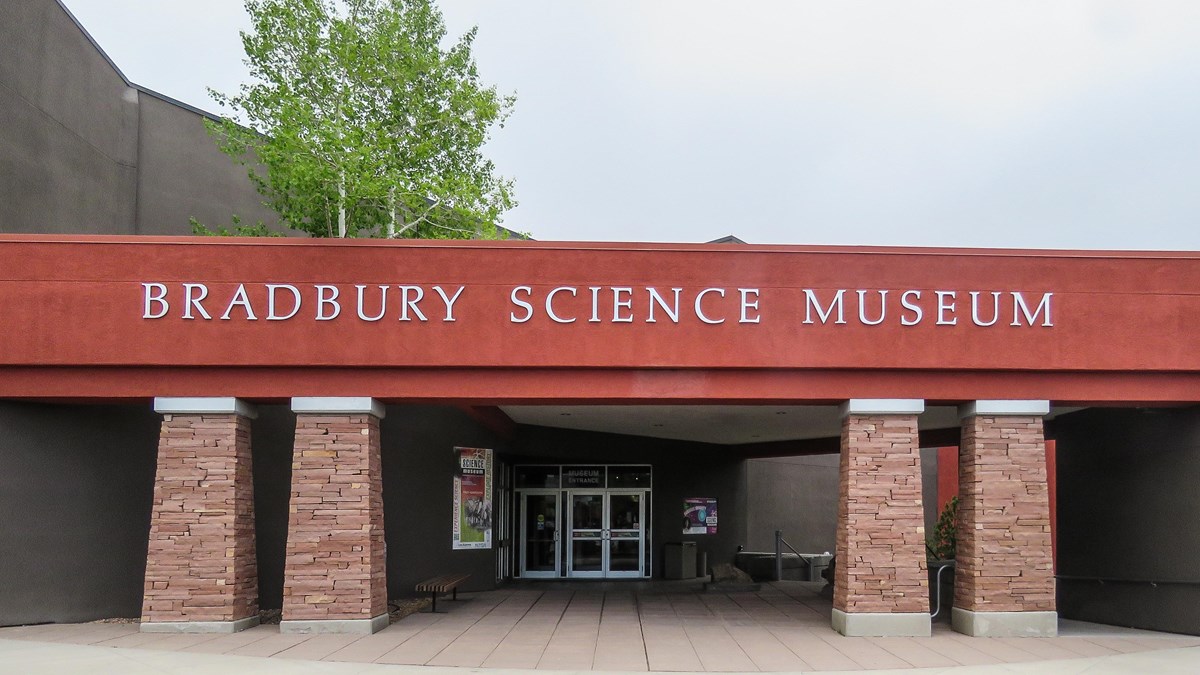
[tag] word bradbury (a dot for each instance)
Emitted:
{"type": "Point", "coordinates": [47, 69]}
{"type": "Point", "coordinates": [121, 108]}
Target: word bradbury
{"type": "Point", "coordinates": [591, 304]}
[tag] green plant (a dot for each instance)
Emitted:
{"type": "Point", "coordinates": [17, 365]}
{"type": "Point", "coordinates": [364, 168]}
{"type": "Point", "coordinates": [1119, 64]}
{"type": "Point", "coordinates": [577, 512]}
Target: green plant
{"type": "Point", "coordinates": [239, 230]}
{"type": "Point", "coordinates": [362, 119]}
{"type": "Point", "coordinates": [942, 543]}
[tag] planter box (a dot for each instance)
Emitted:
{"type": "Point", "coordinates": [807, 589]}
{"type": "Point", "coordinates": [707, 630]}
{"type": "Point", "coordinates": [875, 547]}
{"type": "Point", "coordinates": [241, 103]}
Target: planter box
{"type": "Point", "coordinates": [947, 588]}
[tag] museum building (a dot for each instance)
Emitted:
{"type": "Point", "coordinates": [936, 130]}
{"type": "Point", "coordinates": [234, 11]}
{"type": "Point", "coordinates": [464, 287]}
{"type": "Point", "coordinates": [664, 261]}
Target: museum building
{"type": "Point", "coordinates": [194, 429]}
{"type": "Point", "coordinates": [481, 344]}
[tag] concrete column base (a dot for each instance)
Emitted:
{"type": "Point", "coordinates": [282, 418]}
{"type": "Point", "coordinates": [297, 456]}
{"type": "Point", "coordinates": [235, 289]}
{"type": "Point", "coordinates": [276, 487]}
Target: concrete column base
{"type": "Point", "coordinates": [198, 626]}
{"type": "Point", "coordinates": [1004, 624]}
{"type": "Point", "coordinates": [352, 626]}
{"type": "Point", "coordinates": [882, 624]}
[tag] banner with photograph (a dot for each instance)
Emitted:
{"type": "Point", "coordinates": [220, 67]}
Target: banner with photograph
{"type": "Point", "coordinates": [700, 515]}
{"type": "Point", "coordinates": [472, 526]}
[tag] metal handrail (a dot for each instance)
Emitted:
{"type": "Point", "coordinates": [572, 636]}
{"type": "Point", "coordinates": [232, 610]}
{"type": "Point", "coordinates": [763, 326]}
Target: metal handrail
{"type": "Point", "coordinates": [1110, 580]}
{"type": "Point", "coordinates": [779, 554]}
{"type": "Point", "coordinates": [938, 582]}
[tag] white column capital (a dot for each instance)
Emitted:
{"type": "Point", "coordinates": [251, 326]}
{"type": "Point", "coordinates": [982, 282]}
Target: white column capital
{"type": "Point", "coordinates": [882, 406]}
{"type": "Point", "coordinates": [337, 405]}
{"type": "Point", "coordinates": [996, 408]}
{"type": "Point", "coordinates": [203, 406]}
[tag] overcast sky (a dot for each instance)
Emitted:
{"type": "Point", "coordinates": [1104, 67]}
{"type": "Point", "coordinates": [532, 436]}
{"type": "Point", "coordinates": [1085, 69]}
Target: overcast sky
{"type": "Point", "coordinates": [1015, 124]}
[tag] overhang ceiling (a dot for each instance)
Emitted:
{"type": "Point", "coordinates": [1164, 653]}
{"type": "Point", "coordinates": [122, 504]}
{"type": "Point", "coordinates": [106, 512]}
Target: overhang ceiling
{"type": "Point", "coordinates": [719, 424]}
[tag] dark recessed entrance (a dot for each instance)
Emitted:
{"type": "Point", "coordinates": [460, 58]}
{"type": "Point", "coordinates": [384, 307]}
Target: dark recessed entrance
{"type": "Point", "coordinates": [583, 521]}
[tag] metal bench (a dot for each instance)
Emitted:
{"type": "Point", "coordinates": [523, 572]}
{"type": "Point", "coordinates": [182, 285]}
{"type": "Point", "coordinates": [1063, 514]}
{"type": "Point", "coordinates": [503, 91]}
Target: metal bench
{"type": "Point", "coordinates": [447, 583]}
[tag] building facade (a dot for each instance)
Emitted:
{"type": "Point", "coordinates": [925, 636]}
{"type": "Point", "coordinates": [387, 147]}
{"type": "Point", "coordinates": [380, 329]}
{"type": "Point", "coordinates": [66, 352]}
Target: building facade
{"type": "Point", "coordinates": [337, 346]}
{"type": "Point", "coordinates": [192, 430]}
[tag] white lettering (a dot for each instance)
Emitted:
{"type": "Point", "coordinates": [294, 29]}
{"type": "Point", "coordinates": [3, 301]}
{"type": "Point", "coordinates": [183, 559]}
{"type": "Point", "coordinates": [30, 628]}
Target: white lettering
{"type": "Point", "coordinates": [193, 301]}
{"type": "Point", "coordinates": [975, 308]}
{"type": "Point", "coordinates": [1019, 307]}
{"type": "Point", "coordinates": [240, 299]}
{"type": "Point", "coordinates": [943, 307]}
{"type": "Point", "coordinates": [619, 304]}
{"type": "Point", "coordinates": [382, 303]}
{"type": "Point", "coordinates": [672, 311]}
{"type": "Point", "coordinates": [271, 314]}
{"type": "Point", "coordinates": [918, 313]}
{"type": "Point", "coordinates": [327, 300]}
{"type": "Point", "coordinates": [700, 299]}
{"type": "Point", "coordinates": [512, 316]}
{"type": "Point", "coordinates": [746, 304]}
{"type": "Point", "coordinates": [550, 304]}
{"type": "Point", "coordinates": [862, 302]}
{"type": "Point", "coordinates": [812, 303]}
{"type": "Point", "coordinates": [406, 303]}
{"type": "Point", "coordinates": [449, 302]}
{"type": "Point", "coordinates": [161, 299]}
{"type": "Point", "coordinates": [595, 304]}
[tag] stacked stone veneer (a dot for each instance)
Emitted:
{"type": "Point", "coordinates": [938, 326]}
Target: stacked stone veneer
{"type": "Point", "coordinates": [881, 533]}
{"type": "Point", "coordinates": [1004, 559]}
{"type": "Point", "coordinates": [201, 564]}
{"type": "Point", "coordinates": [335, 567]}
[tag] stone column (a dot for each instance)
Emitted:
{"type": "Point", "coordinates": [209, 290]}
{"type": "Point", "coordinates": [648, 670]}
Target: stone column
{"type": "Point", "coordinates": [881, 587]}
{"type": "Point", "coordinates": [1004, 581]}
{"type": "Point", "coordinates": [201, 564]}
{"type": "Point", "coordinates": [334, 578]}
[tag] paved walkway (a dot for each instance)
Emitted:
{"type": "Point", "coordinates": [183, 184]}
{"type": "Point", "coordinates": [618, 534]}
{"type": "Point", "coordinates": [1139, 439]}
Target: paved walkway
{"type": "Point", "coordinates": [785, 627]}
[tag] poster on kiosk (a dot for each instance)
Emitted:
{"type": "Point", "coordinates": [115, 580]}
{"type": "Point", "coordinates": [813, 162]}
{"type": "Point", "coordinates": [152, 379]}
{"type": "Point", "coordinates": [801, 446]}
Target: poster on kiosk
{"type": "Point", "coordinates": [472, 499]}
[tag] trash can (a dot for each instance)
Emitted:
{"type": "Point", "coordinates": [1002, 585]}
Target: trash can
{"type": "Point", "coordinates": [679, 560]}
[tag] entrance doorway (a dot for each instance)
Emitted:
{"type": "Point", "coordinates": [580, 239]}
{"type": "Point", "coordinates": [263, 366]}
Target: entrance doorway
{"type": "Point", "coordinates": [606, 535]}
{"type": "Point", "coordinates": [539, 535]}
{"type": "Point", "coordinates": [584, 522]}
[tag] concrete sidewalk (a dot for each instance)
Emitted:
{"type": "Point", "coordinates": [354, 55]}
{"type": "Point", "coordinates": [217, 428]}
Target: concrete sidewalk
{"type": "Point", "coordinates": [37, 658]}
{"type": "Point", "coordinates": [782, 628]}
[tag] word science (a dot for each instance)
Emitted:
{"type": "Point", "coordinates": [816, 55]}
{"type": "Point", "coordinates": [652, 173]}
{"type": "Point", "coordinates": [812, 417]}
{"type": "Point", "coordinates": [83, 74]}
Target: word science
{"type": "Point", "coordinates": [196, 301]}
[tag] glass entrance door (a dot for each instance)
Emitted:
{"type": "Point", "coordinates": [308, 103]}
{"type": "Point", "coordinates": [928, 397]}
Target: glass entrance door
{"type": "Point", "coordinates": [586, 556]}
{"type": "Point", "coordinates": [539, 532]}
{"type": "Point", "coordinates": [606, 535]}
{"type": "Point", "coordinates": [626, 513]}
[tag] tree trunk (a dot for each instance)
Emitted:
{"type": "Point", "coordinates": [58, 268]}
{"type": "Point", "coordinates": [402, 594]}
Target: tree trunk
{"type": "Point", "coordinates": [391, 226]}
{"type": "Point", "coordinates": [342, 203]}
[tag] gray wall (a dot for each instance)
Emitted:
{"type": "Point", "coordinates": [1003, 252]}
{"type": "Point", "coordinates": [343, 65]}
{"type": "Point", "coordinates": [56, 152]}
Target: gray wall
{"type": "Point", "coordinates": [418, 469]}
{"type": "Point", "coordinates": [929, 487]}
{"type": "Point", "coordinates": [84, 152]}
{"type": "Point", "coordinates": [798, 495]}
{"type": "Point", "coordinates": [1127, 504]}
{"type": "Point", "coordinates": [182, 175]}
{"type": "Point", "coordinates": [76, 487]}
{"type": "Point", "coordinates": [68, 141]}
{"type": "Point", "coordinates": [417, 445]}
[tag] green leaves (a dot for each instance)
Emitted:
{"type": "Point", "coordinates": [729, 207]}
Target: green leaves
{"type": "Point", "coordinates": [358, 123]}
{"type": "Point", "coordinates": [943, 543]}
